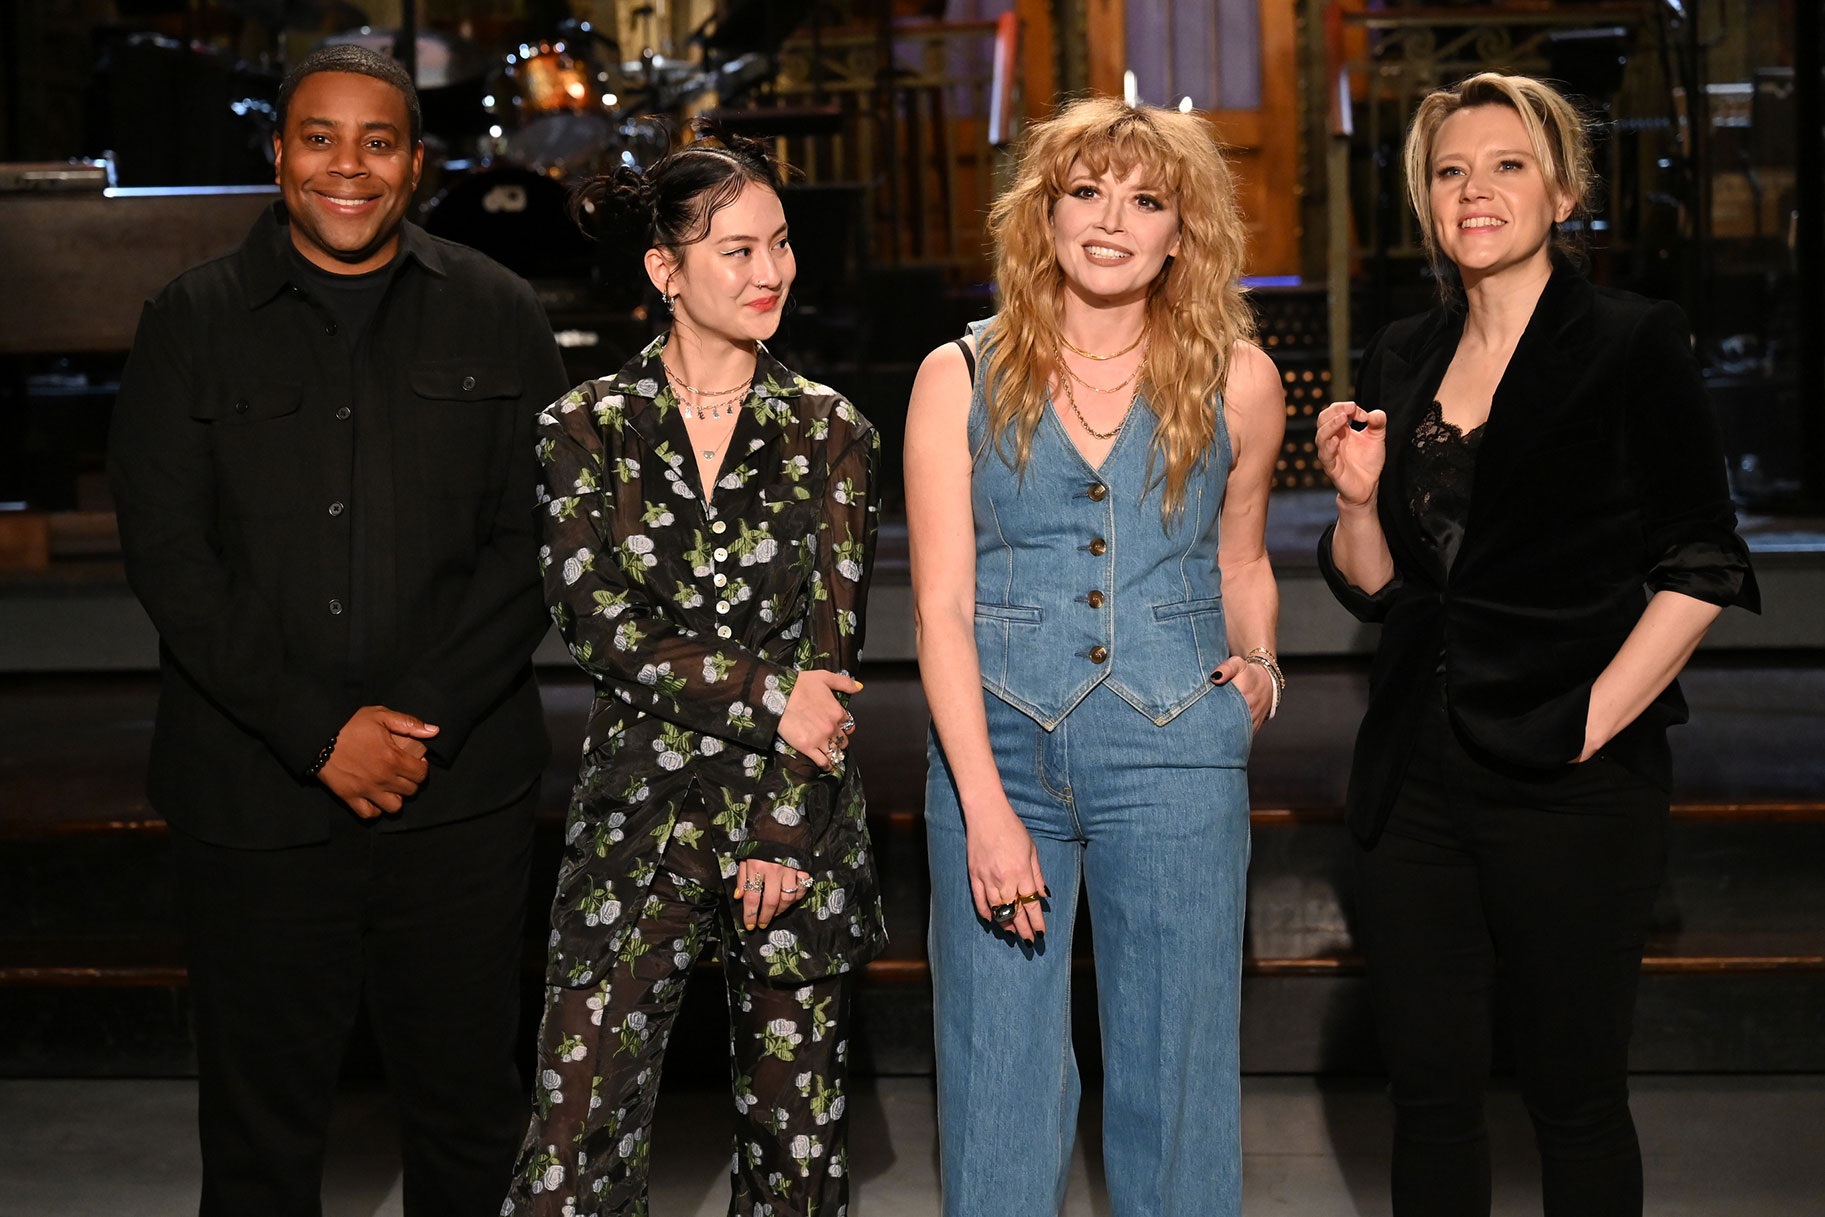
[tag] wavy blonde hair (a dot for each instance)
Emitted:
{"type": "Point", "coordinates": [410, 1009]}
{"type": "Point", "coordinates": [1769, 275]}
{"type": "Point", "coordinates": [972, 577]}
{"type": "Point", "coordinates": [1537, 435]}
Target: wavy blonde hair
{"type": "Point", "coordinates": [1196, 310]}
{"type": "Point", "coordinates": [1557, 132]}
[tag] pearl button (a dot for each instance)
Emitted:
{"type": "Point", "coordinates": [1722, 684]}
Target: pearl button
{"type": "Point", "coordinates": [721, 580]}
{"type": "Point", "coordinates": [722, 606]}
{"type": "Point", "coordinates": [723, 631]}
{"type": "Point", "coordinates": [719, 526]}
{"type": "Point", "coordinates": [721, 554]}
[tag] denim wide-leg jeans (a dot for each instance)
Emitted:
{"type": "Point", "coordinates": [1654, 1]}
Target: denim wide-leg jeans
{"type": "Point", "coordinates": [1159, 837]}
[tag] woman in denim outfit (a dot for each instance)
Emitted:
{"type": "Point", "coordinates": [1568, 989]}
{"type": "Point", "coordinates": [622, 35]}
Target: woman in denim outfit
{"type": "Point", "coordinates": [1097, 663]}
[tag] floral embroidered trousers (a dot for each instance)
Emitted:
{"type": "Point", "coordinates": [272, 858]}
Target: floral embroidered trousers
{"type": "Point", "coordinates": [601, 1048]}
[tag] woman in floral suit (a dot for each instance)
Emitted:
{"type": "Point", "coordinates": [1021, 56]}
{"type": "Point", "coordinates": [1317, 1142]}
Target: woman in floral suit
{"type": "Point", "coordinates": [706, 559]}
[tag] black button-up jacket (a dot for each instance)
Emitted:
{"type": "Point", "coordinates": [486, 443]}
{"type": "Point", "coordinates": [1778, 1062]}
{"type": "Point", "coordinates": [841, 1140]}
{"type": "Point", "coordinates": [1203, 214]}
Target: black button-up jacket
{"type": "Point", "coordinates": [317, 521]}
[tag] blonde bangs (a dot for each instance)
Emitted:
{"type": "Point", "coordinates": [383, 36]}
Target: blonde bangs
{"type": "Point", "coordinates": [1196, 309]}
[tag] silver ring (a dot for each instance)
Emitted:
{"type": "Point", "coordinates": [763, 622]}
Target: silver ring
{"type": "Point", "coordinates": [835, 755]}
{"type": "Point", "coordinates": [788, 891]}
{"type": "Point", "coordinates": [849, 724]}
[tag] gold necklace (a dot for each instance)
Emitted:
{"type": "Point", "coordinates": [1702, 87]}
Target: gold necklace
{"type": "Point", "coordinates": [1071, 396]}
{"type": "Point", "coordinates": [1117, 388]}
{"type": "Point", "coordinates": [1077, 350]}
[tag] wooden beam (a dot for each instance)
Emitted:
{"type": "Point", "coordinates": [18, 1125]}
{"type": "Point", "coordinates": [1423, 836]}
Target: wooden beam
{"type": "Point", "coordinates": [1038, 56]}
{"type": "Point", "coordinates": [1106, 39]}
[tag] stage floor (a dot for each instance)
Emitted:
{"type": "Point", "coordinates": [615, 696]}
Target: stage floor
{"type": "Point", "coordinates": [1738, 1146]}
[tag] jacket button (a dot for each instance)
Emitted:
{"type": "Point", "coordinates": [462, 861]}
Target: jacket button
{"type": "Point", "coordinates": [1099, 654]}
{"type": "Point", "coordinates": [330, 329]}
{"type": "Point", "coordinates": [1099, 547]}
{"type": "Point", "coordinates": [240, 407]}
{"type": "Point", "coordinates": [1095, 598]}
{"type": "Point", "coordinates": [335, 608]}
{"type": "Point", "coordinates": [719, 527]}
{"type": "Point", "coordinates": [342, 414]}
{"type": "Point", "coordinates": [1098, 492]}
{"type": "Point", "coordinates": [723, 631]}
{"type": "Point", "coordinates": [468, 383]}
{"type": "Point", "coordinates": [335, 509]}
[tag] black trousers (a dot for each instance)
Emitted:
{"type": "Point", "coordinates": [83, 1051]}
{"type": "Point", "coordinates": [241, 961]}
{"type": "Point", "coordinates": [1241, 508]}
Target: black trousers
{"type": "Point", "coordinates": [1539, 889]}
{"type": "Point", "coordinates": [283, 946]}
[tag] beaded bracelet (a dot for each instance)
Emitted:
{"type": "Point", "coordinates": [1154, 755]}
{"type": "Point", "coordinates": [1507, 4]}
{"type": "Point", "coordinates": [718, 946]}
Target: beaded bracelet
{"type": "Point", "coordinates": [323, 757]}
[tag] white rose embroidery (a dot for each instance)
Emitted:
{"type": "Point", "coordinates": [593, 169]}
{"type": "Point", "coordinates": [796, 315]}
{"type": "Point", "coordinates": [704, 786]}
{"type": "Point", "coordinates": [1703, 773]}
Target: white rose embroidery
{"type": "Point", "coordinates": [772, 698]}
{"type": "Point", "coordinates": [574, 566]}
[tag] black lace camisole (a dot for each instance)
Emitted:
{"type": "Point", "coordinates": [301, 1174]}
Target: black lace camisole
{"type": "Point", "coordinates": [1440, 471]}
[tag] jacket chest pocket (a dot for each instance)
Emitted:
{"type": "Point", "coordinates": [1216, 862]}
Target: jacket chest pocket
{"type": "Point", "coordinates": [256, 430]}
{"type": "Point", "coordinates": [453, 428]}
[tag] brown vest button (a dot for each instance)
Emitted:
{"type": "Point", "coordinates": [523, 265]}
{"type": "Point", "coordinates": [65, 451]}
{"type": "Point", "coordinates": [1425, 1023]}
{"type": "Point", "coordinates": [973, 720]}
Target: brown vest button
{"type": "Point", "coordinates": [1099, 547]}
{"type": "Point", "coordinates": [1098, 492]}
{"type": "Point", "coordinates": [1099, 654]}
{"type": "Point", "coordinates": [1095, 598]}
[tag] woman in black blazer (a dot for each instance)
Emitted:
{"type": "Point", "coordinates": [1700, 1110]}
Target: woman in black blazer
{"type": "Point", "coordinates": [1531, 500]}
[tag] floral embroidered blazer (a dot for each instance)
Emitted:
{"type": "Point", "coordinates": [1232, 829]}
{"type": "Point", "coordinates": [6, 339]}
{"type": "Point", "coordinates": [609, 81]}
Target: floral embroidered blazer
{"type": "Point", "coordinates": [694, 612]}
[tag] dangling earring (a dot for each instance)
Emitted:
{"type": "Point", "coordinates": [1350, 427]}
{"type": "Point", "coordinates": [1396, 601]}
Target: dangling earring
{"type": "Point", "coordinates": [667, 301]}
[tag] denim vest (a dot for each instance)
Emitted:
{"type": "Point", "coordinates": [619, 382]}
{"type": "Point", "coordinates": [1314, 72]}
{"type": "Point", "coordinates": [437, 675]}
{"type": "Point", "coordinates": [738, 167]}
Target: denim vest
{"type": "Point", "coordinates": [1080, 581]}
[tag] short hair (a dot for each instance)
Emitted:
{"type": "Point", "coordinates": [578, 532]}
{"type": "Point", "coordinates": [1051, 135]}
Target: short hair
{"type": "Point", "coordinates": [349, 57]}
{"type": "Point", "coordinates": [1557, 132]}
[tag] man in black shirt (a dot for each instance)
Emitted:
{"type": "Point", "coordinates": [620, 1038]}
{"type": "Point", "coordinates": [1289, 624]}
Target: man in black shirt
{"type": "Point", "coordinates": [323, 461]}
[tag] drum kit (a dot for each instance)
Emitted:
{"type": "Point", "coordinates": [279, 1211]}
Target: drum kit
{"type": "Point", "coordinates": [506, 134]}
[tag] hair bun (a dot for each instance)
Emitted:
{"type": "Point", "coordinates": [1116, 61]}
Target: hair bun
{"type": "Point", "coordinates": [616, 202]}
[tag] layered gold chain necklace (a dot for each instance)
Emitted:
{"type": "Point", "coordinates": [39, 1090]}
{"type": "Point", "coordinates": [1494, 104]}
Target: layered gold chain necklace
{"type": "Point", "coordinates": [1067, 376]}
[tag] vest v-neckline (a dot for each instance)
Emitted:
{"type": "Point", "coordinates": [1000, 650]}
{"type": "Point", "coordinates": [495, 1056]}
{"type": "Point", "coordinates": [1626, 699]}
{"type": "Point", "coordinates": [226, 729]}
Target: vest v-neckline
{"type": "Point", "coordinates": [1064, 433]}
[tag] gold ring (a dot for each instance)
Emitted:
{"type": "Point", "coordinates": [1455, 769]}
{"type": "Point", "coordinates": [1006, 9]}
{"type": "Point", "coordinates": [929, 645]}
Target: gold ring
{"type": "Point", "coordinates": [1028, 898]}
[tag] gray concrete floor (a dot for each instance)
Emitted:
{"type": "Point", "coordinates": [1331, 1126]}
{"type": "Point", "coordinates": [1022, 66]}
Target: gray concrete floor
{"type": "Point", "coordinates": [1715, 1147]}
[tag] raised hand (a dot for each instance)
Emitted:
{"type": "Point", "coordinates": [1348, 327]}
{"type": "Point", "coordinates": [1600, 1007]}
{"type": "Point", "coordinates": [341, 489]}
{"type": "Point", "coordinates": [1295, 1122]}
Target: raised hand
{"type": "Point", "coordinates": [1352, 459]}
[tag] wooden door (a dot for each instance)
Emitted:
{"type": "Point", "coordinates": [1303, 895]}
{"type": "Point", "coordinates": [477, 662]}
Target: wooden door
{"type": "Point", "coordinates": [1262, 140]}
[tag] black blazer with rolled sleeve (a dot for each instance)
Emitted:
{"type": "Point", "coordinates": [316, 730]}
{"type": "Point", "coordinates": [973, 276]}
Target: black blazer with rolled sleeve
{"type": "Point", "coordinates": [1599, 481]}
{"type": "Point", "coordinates": [315, 524]}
